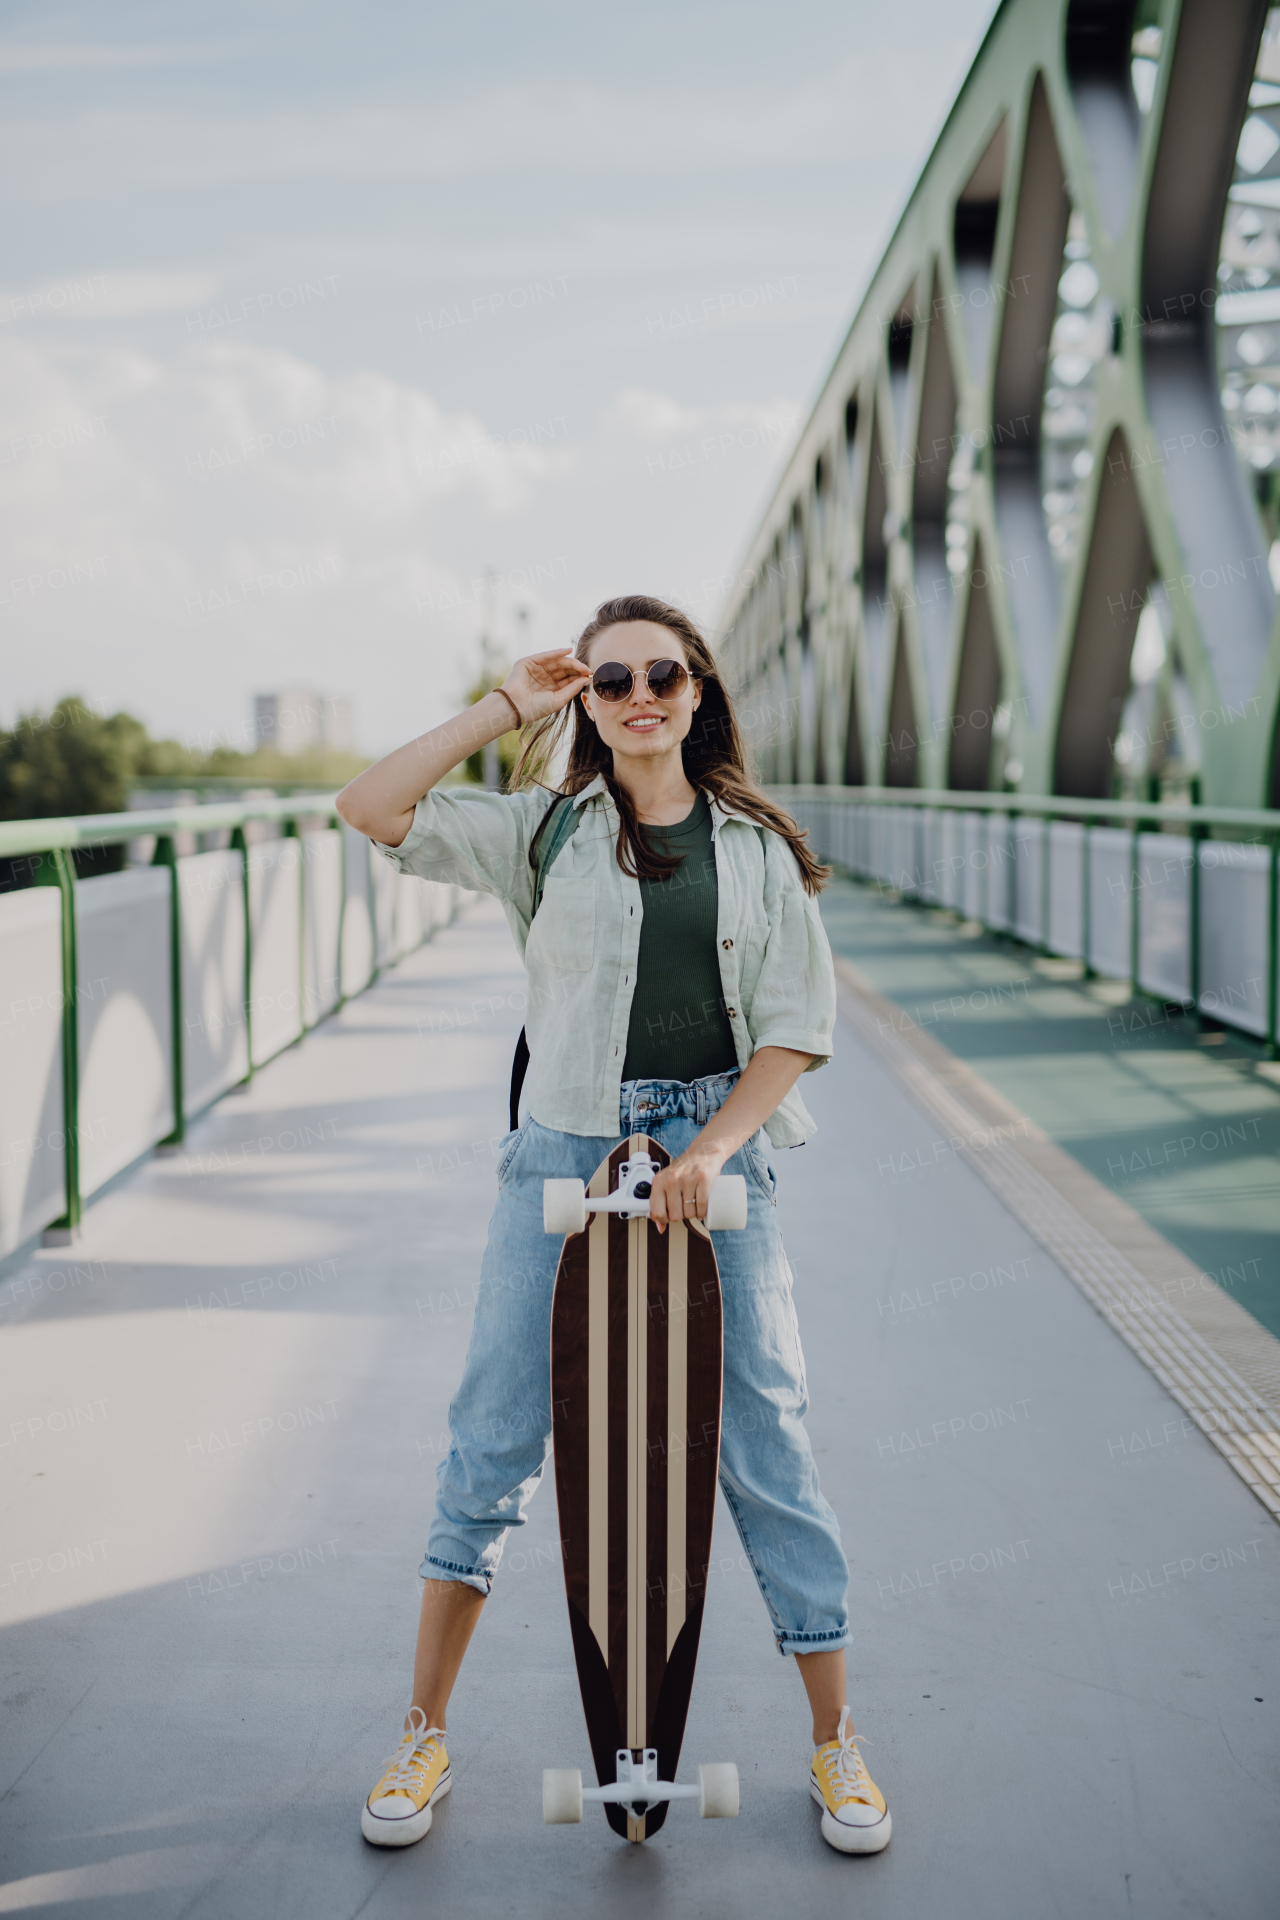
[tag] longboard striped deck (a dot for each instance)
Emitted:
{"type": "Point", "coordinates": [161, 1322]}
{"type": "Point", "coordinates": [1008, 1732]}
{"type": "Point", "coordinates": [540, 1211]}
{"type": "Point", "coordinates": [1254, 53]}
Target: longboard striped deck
{"type": "Point", "coordinates": [636, 1375]}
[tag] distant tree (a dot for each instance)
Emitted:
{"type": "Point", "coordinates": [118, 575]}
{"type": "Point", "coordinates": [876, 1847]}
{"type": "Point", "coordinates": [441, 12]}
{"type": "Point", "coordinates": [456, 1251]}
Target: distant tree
{"type": "Point", "coordinates": [74, 760]}
{"type": "Point", "coordinates": [69, 760]}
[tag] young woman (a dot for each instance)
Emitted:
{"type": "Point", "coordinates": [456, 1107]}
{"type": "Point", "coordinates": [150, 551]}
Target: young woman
{"type": "Point", "coordinates": [680, 983]}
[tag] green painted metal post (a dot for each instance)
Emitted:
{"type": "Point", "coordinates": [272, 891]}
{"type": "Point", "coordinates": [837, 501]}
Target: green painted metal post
{"type": "Point", "coordinates": [166, 855]}
{"type": "Point", "coordinates": [57, 870]}
{"type": "Point", "coordinates": [1086, 897]}
{"type": "Point", "coordinates": [1273, 947]}
{"type": "Point", "coordinates": [371, 896]}
{"type": "Point", "coordinates": [1193, 969]}
{"type": "Point", "coordinates": [292, 832]}
{"type": "Point", "coordinates": [240, 843]}
{"type": "Point", "coordinates": [1135, 930]}
{"type": "Point", "coordinates": [342, 906]}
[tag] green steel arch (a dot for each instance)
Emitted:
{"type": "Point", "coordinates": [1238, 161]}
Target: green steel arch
{"type": "Point", "coordinates": [1028, 537]}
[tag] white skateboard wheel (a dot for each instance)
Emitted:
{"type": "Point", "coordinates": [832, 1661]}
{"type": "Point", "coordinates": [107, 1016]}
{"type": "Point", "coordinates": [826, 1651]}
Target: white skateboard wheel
{"type": "Point", "coordinates": [562, 1786]}
{"type": "Point", "coordinates": [717, 1788]}
{"type": "Point", "coordinates": [564, 1206]}
{"type": "Point", "coordinates": [726, 1203]}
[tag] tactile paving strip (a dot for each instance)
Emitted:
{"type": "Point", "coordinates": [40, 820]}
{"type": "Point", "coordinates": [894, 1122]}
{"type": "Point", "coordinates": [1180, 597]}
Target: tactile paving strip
{"type": "Point", "coordinates": [1228, 1411]}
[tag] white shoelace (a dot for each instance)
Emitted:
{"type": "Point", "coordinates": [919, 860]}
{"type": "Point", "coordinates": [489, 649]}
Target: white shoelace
{"type": "Point", "coordinates": [845, 1767]}
{"type": "Point", "coordinates": [412, 1755]}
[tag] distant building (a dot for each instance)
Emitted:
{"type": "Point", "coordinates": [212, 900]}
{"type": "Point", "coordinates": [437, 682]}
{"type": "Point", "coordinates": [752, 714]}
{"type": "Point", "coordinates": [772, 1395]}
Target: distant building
{"type": "Point", "coordinates": [298, 719]}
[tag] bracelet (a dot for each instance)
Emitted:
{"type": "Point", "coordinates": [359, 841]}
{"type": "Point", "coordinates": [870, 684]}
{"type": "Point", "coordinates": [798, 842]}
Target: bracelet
{"type": "Point", "coordinates": [511, 703]}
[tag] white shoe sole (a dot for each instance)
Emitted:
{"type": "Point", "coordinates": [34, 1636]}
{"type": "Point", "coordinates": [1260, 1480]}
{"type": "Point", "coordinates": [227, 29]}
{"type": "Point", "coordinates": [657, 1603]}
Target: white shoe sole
{"type": "Point", "coordinates": [401, 1833]}
{"type": "Point", "coordinates": [852, 1839]}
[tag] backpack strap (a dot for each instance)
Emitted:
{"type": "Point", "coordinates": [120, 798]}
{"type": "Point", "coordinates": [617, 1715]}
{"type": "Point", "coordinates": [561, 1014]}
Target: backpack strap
{"type": "Point", "coordinates": [554, 829]}
{"type": "Point", "coordinates": [557, 826]}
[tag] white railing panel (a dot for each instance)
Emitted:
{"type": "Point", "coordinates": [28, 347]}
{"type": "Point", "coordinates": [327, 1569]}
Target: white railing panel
{"type": "Point", "coordinates": [1164, 915]}
{"type": "Point", "coordinates": [1235, 890]}
{"type": "Point", "coordinates": [833, 821]}
{"type": "Point", "coordinates": [871, 842]}
{"type": "Point", "coordinates": [124, 1019]}
{"type": "Point", "coordinates": [891, 844]}
{"type": "Point", "coordinates": [999, 872]}
{"type": "Point", "coordinates": [33, 1173]}
{"type": "Point", "coordinates": [1028, 880]}
{"type": "Point", "coordinates": [275, 947]}
{"type": "Point", "coordinates": [902, 847]}
{"type": "Point", "coordinates": [839, 818]}
{"type": "Point", "coordinates": [215, 1051]}
{"type": "Point", "coordinates": [357, 921]}
{"type": "Point", "coordinates": [892, 869]}
{"type": "Point", "coordinates": [973, 845]}
{"type": "Point", "coordinates": [806, 816]}
{"type": "Point", "coordinates": [873, 865]}
{"type": "Point", "coordinates": [862, 841]}
{"type": "Point", "coordinates": [847, 844]}
{"type": "Point", "coordinates": [322, 922]}
{"type": "Point", "coordinates": [1066, 888]}
{"type": "Point", "coordinates": [385, 886]}
{"type": "Point", "coordinates": [951, 859]}
{"type": "Point", "coordinates": [930, 853]}
{"type": "Point", "coordinates": [917, 849]}
{"type": "Point", "coordinates": [1110, 902]}
{"type": "Point", "coordinates": [410, 913]}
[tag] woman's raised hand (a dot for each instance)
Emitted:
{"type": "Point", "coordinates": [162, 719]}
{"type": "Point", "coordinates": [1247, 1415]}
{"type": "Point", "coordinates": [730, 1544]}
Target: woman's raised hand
{"type": "Point", "coordinates": [543, 683]}
{"type": "Point", "coordinates": [381, 800]}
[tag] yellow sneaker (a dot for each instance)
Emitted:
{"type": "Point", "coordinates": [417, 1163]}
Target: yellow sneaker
{"type": "Point", "coordinates": [398, 1811]}
{"type": "Point", "coordinates": [855, 1818]}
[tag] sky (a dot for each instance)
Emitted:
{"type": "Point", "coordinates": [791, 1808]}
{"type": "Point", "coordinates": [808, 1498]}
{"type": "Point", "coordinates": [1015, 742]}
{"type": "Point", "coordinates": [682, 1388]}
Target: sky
{"type": "Point", "coordinates": [333, 337]}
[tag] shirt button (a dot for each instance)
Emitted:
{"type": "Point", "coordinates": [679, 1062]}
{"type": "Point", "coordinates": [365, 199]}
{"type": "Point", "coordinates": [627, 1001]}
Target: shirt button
{"type": "Point", "coordinates": [726, 944]}
{"type": "Point", "coordinates": [733, 1013]}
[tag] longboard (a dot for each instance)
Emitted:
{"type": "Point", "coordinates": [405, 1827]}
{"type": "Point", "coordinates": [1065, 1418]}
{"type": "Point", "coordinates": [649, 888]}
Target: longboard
{"type": "Point", "coordinates": [637, 1359]}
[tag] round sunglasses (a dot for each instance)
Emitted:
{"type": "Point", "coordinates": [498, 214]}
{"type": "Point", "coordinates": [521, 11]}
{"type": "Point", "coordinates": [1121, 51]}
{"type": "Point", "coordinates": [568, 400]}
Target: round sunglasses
{"type": "Point", "coordinates": [664, 679]}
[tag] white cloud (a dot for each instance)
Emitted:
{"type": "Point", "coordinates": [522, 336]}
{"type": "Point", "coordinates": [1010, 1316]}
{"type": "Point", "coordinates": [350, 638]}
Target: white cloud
{"type": "Point", "coordinates": [227, 513]}
{"type": "Point", "coordinates": [656, 416]}
{"type": "Point", "coordinates": [179, 533]}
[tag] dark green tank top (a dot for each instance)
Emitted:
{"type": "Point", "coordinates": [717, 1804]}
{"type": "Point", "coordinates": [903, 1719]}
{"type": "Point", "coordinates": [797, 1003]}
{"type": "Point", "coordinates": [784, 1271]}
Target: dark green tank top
{"type": "Point", "coordinates": [679, 1028]}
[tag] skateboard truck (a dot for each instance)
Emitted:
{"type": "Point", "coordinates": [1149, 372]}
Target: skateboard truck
{"type": "Point", "coordinates": [637, 1788]}
{"type": "Point", "coordinates": [565, 1204]}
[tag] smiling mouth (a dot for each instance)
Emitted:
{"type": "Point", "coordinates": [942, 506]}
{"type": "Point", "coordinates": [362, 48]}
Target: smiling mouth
{"type": "Point", "coordinates": [645, 723]}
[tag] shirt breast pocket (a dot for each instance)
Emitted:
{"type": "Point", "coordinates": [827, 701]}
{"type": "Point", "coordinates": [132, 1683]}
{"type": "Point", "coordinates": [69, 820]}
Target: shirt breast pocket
{"type": "Point", "coordinates": [563, 934]}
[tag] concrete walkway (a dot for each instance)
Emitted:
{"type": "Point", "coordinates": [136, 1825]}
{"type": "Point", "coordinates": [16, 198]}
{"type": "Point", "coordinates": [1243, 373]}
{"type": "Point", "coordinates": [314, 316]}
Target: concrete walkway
{"type": "Point", "coordinates": [222, 1415]}
{"type": "Point", "coordinates": [1180, 1119]}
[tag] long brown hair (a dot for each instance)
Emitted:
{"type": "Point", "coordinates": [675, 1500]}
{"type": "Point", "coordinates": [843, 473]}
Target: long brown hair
{"type": "Point", "coordinates": [714, 758]}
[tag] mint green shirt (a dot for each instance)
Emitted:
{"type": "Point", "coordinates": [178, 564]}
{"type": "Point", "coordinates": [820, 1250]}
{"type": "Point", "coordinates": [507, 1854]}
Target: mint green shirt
{"type": "Point", "coordinates": [582, 950]}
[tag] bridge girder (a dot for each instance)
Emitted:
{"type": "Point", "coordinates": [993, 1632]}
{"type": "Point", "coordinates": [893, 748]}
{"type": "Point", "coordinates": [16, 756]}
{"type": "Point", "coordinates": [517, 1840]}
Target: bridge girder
{"type": "Point", "coordinates": [1021, 461]}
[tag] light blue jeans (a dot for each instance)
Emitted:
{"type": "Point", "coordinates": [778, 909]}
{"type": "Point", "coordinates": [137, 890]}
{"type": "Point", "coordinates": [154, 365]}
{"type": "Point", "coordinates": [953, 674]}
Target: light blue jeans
{"type": "Point", "coordinates": [500, 1418]}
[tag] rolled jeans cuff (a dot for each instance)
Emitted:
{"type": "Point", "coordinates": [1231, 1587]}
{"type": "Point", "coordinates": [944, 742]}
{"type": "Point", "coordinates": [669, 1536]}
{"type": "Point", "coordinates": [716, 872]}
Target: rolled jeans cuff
{"type": "Point", "coordinates": [465, 1576]}
{"type": "Point", "coordinates": [815, 1642]}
